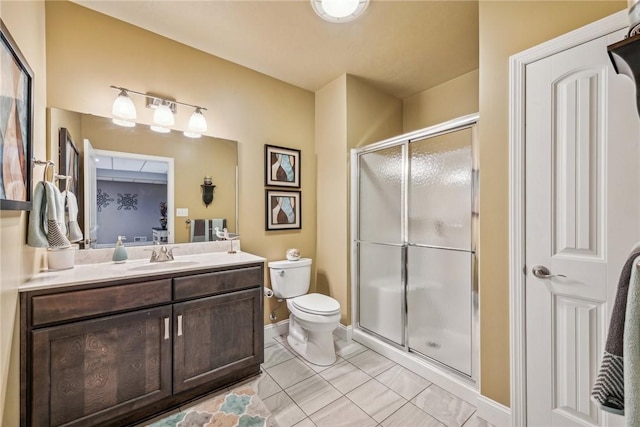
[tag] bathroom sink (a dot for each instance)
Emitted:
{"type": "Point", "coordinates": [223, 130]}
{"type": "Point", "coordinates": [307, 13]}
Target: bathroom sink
{"type": "Point", "coordinates": [163, 265]}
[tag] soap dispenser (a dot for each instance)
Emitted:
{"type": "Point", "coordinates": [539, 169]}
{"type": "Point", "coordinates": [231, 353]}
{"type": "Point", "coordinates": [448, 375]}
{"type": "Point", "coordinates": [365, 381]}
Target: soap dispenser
{"type": "Point", "coordinates": [119, 253]}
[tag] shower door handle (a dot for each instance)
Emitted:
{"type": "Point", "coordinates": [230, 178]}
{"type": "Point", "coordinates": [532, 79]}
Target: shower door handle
{"type": "Point", "coordinates": [542, 272]}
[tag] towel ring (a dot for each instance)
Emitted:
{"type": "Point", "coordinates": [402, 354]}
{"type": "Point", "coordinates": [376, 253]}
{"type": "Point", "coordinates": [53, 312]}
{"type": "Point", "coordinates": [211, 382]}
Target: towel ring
{"type": "Point", "coordinates": [45, 174]}
{"type": "Point", "coordinates": [67, 179]}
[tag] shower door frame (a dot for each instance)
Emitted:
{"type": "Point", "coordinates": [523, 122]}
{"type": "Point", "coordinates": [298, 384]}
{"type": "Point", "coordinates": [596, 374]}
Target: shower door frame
{"type": "Point", "coordinates": [464, 122]}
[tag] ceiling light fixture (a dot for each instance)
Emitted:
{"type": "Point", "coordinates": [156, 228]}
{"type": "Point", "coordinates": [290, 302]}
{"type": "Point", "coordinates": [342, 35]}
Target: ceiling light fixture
{"type": "Point", "coordinates": [339, 10]}
{"type": "Point", "coordinates": [124, 113]}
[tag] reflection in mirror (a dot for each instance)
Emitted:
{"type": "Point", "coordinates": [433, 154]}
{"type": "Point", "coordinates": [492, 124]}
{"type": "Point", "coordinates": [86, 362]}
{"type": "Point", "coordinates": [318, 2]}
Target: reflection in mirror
{"type": "Point", "coordinates": [130, 189]}
{"type": "Point", "coordinates": [121, 201]}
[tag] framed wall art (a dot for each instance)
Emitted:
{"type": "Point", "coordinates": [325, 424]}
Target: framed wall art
{"type": "Point", "coordinates": [16, 125]}
{"type": "Point", "coordinates": [282, 166]}
{"type": "Point", "coordinates": [69, 162]}
{"type": "Point", "coordinates": [283, 210]}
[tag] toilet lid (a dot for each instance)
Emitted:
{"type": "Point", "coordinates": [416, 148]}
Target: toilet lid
{"type": "Point", "coordinates": [316, 304]}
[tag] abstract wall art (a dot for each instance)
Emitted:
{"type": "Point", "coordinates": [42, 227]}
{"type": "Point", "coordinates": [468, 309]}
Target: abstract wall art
{"type": "Point", "coordinates": [16, 125]}
{"type": "Point", "coordinates": [282, 166]}
{"type": "Point", "coordinates": [283, 210]}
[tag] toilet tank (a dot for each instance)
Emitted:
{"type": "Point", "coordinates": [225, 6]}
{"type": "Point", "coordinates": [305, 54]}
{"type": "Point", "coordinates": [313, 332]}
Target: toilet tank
{"type": "Point", "coordinates": [290, 278]}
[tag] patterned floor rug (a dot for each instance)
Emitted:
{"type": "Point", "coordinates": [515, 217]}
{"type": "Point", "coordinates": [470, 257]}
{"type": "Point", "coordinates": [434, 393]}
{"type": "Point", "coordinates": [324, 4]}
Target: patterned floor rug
{"type": "Point", "coordinates": [239, 407]}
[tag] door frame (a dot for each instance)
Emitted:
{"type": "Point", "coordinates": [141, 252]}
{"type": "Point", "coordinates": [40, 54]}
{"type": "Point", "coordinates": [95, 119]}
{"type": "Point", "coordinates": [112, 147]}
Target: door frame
{"type": "Point", "coordinates": [517, 162]}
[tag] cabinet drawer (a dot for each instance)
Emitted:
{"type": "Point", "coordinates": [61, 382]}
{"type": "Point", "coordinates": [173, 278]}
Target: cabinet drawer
{"type": "Point", "coordinates": [90, 302]}
{"type": "Point", "coordinates": [217, 282]}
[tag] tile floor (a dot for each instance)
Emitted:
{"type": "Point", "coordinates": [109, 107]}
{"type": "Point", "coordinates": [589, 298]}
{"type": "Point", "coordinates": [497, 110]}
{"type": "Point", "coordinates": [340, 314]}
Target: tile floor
{"type": "Point", "coordinates": [361, 389]}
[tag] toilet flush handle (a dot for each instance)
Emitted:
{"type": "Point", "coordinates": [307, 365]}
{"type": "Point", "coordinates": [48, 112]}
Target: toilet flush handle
{"type": "Point", "coordinates": [281, 272]}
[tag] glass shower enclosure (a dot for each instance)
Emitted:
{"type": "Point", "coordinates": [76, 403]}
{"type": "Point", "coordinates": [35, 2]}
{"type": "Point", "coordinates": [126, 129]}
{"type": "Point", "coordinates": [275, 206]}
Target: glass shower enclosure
{"type": "Point", "coordinates": [414, 225]}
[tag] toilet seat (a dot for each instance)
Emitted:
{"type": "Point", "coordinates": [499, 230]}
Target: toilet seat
{"type": "Point", "coordinates": [316, 304]}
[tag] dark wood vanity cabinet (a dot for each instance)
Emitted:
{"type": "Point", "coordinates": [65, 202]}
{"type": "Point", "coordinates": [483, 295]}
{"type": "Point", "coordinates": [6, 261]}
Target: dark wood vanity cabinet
{"type": "Point", "coordinates": [118, 353]}
{"type": "Point", "coordinates": [94, 369]}
{"type": "Point", "coordinates": [215, 336]}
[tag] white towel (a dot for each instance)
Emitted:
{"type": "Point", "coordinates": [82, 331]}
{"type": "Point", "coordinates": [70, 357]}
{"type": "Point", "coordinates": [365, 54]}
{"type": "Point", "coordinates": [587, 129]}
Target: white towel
{"type": "Point", "coordinates": [36, 236]}
{"type": "Point", "coordinates": [631, 349]}
{"type": "Point", "coordinates": [73, 229]}
{"type": "Point", "coordinates": [203, 230]}
{"type": "Point", "coordinates": [55, 228]}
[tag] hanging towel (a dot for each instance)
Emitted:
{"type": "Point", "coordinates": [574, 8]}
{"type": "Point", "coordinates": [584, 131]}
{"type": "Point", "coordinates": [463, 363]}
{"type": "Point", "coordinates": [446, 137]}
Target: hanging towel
{"type": "Point", "coordinates": [203, 230]}
{"type": "Point", "coordinates": [631, 350]}
{"type": "Point", "coordinates": [608, 390]}
{"type": "Point", "coordinates": [55, 229]}
{"type": "Point", "coordinates": [220, 223]}
{"type": "Point", "coordinates": [36, 235]}
{"type": "Point", "coordinates": [73, 229]}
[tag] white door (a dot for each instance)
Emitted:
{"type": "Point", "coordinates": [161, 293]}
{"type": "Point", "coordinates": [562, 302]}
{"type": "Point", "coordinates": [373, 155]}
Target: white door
{"type": "Point", "coordinates": [582, 219]}
{"type": "Point", "coordinates": [90, 196]}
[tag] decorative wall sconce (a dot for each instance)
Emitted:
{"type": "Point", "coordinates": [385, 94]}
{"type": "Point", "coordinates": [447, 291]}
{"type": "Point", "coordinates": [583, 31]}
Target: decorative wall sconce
{"type": "Point", "coordinates": [124, 113]}
{"type": "Point", "coordinates": [207, 191]}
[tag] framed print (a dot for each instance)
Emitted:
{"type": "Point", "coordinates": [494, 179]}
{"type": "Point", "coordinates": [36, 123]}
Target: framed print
{"type": "Point", "coordinates": [283, 211]}
{"type": "Point", "coordinates": [69, 162]}
{"type": "Point", "coordinates": [282, 166]}
{"type": "Point", "coordinates": [16, 125]}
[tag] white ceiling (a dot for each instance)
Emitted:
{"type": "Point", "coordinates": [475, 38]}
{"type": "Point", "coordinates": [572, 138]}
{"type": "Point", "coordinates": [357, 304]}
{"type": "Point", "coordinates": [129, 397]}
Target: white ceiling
{"type": "Point", "coordinates": [402, 47]}
{"type": "Point", "coordinates": [123, 169]}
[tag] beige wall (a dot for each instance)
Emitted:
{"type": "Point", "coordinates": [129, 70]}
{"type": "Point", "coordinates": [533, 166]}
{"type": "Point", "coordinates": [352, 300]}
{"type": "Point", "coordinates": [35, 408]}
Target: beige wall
{"type": "Point", "coordinates": [455, 98]}
{"type": "Point", "coordinates": [25, 22]}
{"type": "Point", "coordinates": [83, 59]}
{"type": "Point", "coordinates": [331, 159]}
{"type": "Point", "coordinates": [349, 114]}
{"type": "Point", "coordinates": [506, 28]}
{"type": "Point", "coordinates": [241, 108]}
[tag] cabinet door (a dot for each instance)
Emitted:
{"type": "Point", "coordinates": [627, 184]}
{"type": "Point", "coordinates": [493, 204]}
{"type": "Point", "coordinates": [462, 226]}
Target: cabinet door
{"type": "Point", "coordinates": [86, 373]}
{"type": "Point", "coordinates": [215, 336]}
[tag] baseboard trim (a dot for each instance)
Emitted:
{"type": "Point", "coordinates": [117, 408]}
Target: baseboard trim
{"type": "Point", "coordinates": [274, 330]}
{"type": "Point", "coordinates": [344, 332]}
{"type": "Point", "coordinates": [493, 412]}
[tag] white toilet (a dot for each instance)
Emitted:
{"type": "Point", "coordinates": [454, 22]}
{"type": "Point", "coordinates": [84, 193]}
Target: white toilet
{"type": "Point", "coordinates": [313, 316]}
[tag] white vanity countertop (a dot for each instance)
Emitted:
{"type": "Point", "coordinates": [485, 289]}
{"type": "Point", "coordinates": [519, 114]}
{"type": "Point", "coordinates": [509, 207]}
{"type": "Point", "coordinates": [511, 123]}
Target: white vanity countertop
{"type": "Point", "coordinates": [107, 271]}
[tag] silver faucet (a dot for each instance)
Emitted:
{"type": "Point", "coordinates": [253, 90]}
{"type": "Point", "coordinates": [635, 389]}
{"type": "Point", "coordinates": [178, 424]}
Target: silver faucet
{"type": "Point", "coordinates": [162, 255]}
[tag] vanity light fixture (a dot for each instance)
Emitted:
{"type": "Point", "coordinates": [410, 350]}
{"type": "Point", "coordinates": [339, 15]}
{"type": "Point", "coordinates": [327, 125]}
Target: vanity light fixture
{"type": "Point", "coordinates": [163, 117]}
{"type": "Point", "coordinates": [197, 124]}
{"type": "Point", "coordinates": [123, 110]}
{"type": "Point", "coordinates": [124, 113]}
{"type": "Point", "coordinates": [339, 10]}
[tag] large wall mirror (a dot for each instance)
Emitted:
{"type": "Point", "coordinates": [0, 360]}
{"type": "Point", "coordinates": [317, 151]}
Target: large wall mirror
{"type": "Point", "coordinates": [129, 174]}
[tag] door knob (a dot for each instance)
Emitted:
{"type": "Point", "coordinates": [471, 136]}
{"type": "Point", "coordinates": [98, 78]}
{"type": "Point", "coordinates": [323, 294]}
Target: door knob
{"type": "Point", "coordinates": [542, 272]}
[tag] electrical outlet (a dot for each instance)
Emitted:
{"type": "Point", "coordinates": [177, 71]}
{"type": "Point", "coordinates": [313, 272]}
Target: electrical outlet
{"type": "Point", "coordinates": [182, 212]}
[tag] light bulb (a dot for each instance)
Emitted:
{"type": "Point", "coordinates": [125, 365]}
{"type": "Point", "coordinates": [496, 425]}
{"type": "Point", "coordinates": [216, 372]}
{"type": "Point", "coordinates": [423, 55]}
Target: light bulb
{"type": "Point", "coordinates": [339, 8]}
{"type": "Point", "coordinates": [339, 11]}
{"type": "Point", "coordinates": [160, 129]}
{"type": "Point", "coordinates": [163, 115]}
{"type": "Point", "coordinates": [123, 107]}
{"type": "Point", "coordinates": [191, 134]}
{"type": "Point", "coordinates": [125, 123]}
{"type": "Point", "coordinates": [197, 122]}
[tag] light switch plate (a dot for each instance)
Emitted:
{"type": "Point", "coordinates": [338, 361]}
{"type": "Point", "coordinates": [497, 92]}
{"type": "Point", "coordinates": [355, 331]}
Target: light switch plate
{"type": "Point", "coordinates": [182, 212]}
